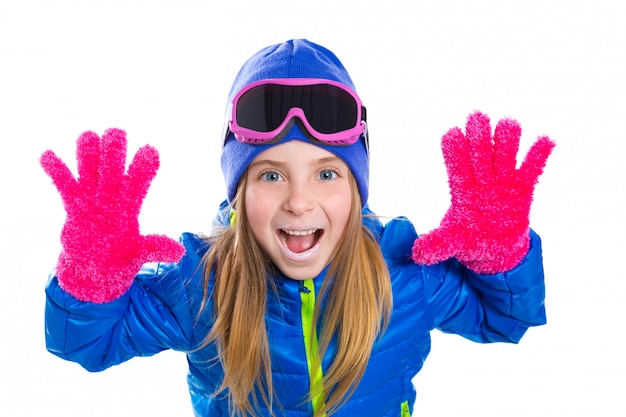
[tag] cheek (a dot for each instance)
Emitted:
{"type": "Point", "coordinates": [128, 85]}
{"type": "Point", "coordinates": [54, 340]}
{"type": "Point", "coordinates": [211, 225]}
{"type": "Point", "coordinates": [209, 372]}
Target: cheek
{"type": "Point", "coordinates": [259, 210]}
{"type": "Point", "coordinates": [339, 208]}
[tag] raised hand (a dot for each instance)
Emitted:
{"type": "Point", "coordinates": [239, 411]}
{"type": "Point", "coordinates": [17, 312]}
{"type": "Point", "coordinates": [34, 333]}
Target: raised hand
{"type": "Point", "coordinates": [102, 246]}
{"type": "Point", "coordinates": [486, 227]}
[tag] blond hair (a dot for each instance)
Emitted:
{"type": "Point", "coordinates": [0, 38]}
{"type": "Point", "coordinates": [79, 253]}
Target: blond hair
{"type": "Point", "coordinates": [357, 299]}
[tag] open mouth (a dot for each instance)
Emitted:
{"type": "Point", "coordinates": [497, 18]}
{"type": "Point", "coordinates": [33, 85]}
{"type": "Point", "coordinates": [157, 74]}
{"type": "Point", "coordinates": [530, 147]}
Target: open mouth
{"type": "Point", "coordinates": [299, 241]}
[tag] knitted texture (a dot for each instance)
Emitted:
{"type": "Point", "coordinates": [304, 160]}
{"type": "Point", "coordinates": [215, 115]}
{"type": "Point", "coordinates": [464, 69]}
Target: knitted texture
{"type": "Point", "coordinates": [487, 225]}
{"type": "Point", "coordinates": [296, 58]}
{"type": "Point", "coordinates": [102, 248]}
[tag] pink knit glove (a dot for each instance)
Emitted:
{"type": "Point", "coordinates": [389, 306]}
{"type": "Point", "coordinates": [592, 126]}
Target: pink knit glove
{"type": "Point", "coordinates": [102, 247]}
{"type": "Point", "coordinates": [486, 227]}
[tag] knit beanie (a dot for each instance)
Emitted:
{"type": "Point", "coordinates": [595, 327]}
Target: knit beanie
{"type": "Point", "coordinates": [296, 58]}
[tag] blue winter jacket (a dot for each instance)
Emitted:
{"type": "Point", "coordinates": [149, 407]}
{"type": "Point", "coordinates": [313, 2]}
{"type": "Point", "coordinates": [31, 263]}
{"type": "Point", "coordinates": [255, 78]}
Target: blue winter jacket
{"type": "Point", "coordinates": [160, 312]}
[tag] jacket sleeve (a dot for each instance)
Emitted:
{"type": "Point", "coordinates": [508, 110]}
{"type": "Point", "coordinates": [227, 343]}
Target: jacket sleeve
{"type": "Point", "coordinates": [153, 315]}
{"type": "Point", "coordinates": [487, 308]}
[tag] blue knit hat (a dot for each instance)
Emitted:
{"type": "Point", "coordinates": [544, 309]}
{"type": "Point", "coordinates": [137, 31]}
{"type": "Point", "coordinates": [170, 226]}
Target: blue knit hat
{"type": "Point", "coordinates": [297, 58]}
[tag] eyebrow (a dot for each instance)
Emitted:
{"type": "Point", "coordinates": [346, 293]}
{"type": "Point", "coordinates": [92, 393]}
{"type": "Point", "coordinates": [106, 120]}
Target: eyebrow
{"type": "Point", "coordinates": [265, 162]}
{"type": "Point", "coordinates": [329, 159]}
{"type": "Point", "coordinates": [274, 163]}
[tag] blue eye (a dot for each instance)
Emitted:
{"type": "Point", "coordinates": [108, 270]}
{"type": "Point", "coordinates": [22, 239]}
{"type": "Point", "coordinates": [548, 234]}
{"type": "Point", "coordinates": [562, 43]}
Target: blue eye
{"type": "Point", "coordinates": [327, 175]}
{"type": "Point", "coordinates": [271, 176]}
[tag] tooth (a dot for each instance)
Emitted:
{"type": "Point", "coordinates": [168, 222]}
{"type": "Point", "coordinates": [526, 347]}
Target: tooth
{"type": "Point", "coordinates": [300, 232]}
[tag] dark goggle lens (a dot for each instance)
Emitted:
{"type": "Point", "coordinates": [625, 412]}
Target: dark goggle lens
{"type": "Point", "coordinates": [328, 109]}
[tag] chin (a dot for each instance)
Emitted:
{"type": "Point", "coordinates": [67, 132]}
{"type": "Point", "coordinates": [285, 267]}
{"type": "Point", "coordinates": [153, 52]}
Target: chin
{"type": "Point", "coordinates": [300, 273]}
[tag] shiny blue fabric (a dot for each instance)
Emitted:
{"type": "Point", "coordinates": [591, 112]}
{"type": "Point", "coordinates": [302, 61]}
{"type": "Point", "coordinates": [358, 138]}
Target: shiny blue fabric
{"type": "Point", "coordinates": [160, 311]}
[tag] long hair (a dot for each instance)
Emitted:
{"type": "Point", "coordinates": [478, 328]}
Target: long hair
{"type": "Point", "coordinates": [353, 308]}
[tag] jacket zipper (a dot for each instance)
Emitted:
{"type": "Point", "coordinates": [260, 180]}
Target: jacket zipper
{"type": "Point", "coordinates": [314, 365]}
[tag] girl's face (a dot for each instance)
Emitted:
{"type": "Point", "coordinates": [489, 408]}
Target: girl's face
{"type": "Point", "coordinates": [298, 199]}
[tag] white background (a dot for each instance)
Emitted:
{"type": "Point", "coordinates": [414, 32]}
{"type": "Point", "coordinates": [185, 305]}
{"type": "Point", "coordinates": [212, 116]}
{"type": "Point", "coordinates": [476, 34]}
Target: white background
{"type": "Point", "coordinates": [161, 70]}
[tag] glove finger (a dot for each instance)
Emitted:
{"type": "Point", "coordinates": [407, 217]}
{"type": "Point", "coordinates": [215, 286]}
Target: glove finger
{"type": "Point", "coordinates": [112, 161]}
{"type": "Point", "coordinates": [434, 247]}
{"type": "Point", "coordinates": [88, 159]}
{"type": "Point", "coordinates": [141, 172]}
{"type": "Point", "coordinates": [60, 174]}
{"type": "Point", "coordinates": [160, 248]}
{"type": "Point", "coordinates": [535, 160]}
{"type": "Point", "coordinates": [455, 150]}
{"type": "Point", "coordinates": [478, 132]}
{"type": "Point", "coordinates": [506, 145]}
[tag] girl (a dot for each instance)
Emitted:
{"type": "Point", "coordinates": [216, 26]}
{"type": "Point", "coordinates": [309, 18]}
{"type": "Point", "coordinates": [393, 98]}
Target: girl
{"type": "Point", "coordinates": [300, 303]}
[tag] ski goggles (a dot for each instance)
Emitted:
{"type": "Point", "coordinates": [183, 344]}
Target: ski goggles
{"type": "Point", "coordinates": [331, 112]}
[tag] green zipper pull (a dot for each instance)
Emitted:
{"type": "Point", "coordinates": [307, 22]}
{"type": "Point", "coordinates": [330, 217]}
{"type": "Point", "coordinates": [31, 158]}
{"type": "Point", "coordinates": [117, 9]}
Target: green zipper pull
{"type": "Point", "coordinates": [316, 374]}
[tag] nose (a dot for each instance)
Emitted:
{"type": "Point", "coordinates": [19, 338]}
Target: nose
{"type": "Point", "coordinates": [299, 199]}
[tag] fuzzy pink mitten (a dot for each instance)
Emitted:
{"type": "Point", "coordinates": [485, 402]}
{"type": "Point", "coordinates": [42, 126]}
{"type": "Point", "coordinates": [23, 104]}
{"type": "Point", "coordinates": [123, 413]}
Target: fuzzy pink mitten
{"type": "Point", "coordinates": [102, 249]}
{"type": "Point", "coordinates": [486, 227]}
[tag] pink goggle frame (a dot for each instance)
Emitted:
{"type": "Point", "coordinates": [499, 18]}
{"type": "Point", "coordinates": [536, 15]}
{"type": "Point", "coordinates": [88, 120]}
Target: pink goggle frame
{"type": "Point", "coordinates": [330, 111]}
